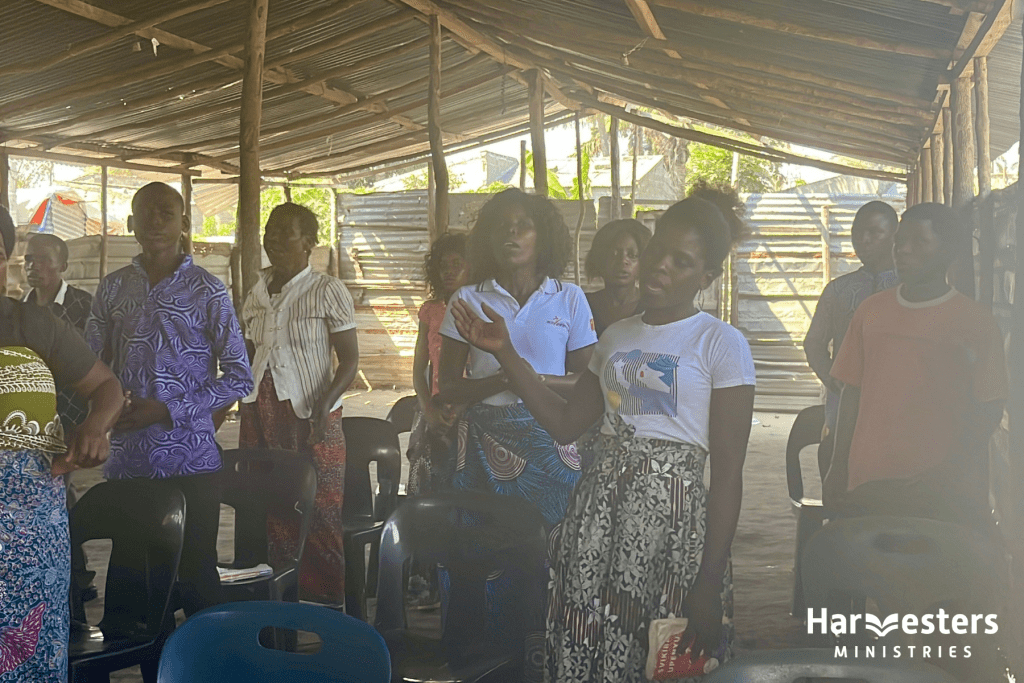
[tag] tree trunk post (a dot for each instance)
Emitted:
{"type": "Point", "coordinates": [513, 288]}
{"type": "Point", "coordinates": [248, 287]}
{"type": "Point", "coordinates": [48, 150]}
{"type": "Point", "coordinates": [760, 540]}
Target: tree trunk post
{"type": "Point", "coordinates": [437, 162]}
{"type": "Point", "coordinates": [1016, 358]}
{"type": "Point", "coordinates": [104, 230]}
{"type": "Point", "coordinates": [522, 165]}
{"type": "Point", "coordinates": [616, 167]}
{"type": "Point", "coordinates": [982, 126]}
{"type": "Point", "coordinates": [5, 179]}
{"type": "Point", "coordinates": [186, 200]}
{"type": "Point", "coordinates": [540, 159]}
{"type": "Point", "coordinates": [962, 272]}
{"type": "Point", "coordinates": [947, 159]}
{"type": "Point", "coordinates": [826, 246]}
{"type": "Point", "coordinates": [937, 167]}
{"type": "Point", "coordinates": [633, 180]}
{"type": "Point", "coordinates": [926, 174]}
{"type": "Point", "coordinates": [248, 228]}
{"type": "Point", "coordinates": [582, 202]}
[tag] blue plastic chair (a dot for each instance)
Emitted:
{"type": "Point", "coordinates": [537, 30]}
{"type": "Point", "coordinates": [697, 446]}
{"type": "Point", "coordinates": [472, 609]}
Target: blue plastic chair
{"type": "Point", "coordinates": [222, 644]}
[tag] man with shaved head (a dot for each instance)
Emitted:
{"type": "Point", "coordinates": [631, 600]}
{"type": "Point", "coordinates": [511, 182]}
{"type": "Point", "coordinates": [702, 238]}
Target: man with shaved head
{"type": "Point", "coordinates": [168, 330]}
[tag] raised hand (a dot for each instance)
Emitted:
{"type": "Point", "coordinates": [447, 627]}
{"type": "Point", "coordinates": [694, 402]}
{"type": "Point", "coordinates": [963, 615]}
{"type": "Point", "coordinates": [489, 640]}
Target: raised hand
{"type": "Point", "coordinates": [491, 337]}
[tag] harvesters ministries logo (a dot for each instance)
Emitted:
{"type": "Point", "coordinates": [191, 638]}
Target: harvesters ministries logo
{"type": "Point", "coordinates": [941, 622]}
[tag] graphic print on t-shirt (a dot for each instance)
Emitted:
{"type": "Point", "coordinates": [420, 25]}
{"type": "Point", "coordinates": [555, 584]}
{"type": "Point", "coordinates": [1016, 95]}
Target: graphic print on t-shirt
{"type": "Point", "coordinates": [641, 383]}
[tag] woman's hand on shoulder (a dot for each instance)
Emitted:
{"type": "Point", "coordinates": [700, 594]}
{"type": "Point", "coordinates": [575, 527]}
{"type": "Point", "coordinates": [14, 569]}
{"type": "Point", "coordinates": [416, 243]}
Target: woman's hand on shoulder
{"type": "Point", "coordinates": [491, 337]}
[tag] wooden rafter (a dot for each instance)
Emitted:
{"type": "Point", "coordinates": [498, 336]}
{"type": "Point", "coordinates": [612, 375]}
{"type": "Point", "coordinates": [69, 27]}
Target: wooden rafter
{"type": "Point", "coordinates": [648, 24]}
{"type": "Point", "coordinates": [277, 75]}
{"type": "Point", "coordinates": [478, 42]}
{"type": "Point", "coordinates": [738, 16]}
{"type": "Point", "coordinates": [106, 39]}
{"type": "Point", "coordinates": [113, 162]}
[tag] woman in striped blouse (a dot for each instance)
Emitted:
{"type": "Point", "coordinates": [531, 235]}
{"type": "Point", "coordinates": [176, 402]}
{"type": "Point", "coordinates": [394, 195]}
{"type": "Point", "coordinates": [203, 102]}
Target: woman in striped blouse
{"type": "Point", "coordinates": [294, 318]}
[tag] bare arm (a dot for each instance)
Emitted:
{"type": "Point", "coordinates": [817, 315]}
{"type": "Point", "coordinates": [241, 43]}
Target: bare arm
{"type": "Point", "coordinates": [819, 335]}
{"type": "Point", "coordinates": [456, 389]}
{"type": "Point", "coordinates": [731, 410]}
{"type": "Point", "coordinates": [838, 476]}
{"type": "Point", "coordinates": [420, 361]}
{"type": "Point", "coordinates": [346, 348]}
{"type": "Point", "coordinates": [576, 363]}
{"type": "Point", "coordinates": [565, 420]}
{"type": "Point", "coordinates": [90, 444]}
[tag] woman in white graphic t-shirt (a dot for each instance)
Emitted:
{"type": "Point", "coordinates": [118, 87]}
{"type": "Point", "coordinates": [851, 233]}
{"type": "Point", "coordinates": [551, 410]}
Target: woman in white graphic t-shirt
{"type": "Point", "coordinates": [642, 538]}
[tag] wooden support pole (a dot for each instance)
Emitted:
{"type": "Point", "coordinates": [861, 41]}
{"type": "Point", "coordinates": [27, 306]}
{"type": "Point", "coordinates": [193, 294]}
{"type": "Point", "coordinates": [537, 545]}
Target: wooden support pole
{"type": "Point", "coordinates": [1016, 361]}
{"type": "Point", "coordinates": [186, 196]}
{"type": "Point", "coordinates": [962, 272]}
{"type": "Point", "coordinates": [103, 222]}
{"type": "Point", "coordinates": [334, 256]}
{"type": "Point", "coordinates": [615, 159]}
{"type": "Point", "coordinates": [826, 246]}
{"type": "Point", "coordinates": [287, 192]}
{"type": "Point", "coordinates": [522, 165]}
{"type": "Point", "coordinates": [5, 180]}
{"type": "Point", "coordinates": [632, 183]}
{"type": "Point", "coordinates": [248, 228]}
{"type": "Point", "coordinates": [926, 174]}
{"type": "Point", "coordinates": [982, 126]}
{"type": "Point", "coordinates": [540, 158]}
{"type": "Point", "coordinates": [440, 168]}
{"type": "Point", "coordinates": [937, 168]}
{"type": "Point", "coordinates": [911, 188]}
{"type": "Point", "coordinates": [947, 159]}
{"type": "Point", "coordinates": [582, 203]}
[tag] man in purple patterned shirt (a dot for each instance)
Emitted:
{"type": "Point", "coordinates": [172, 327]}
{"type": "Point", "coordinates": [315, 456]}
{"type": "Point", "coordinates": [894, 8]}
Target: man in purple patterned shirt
{"type": "Point", "coordinates": [164, 325]}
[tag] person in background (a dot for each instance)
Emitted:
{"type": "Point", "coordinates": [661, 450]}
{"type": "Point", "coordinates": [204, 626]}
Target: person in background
{"type": "Point", "coordinates": [46, 260]}
{"type": "Point", "coordinates": [614, 257]}
{"type": "Point", "coordinates": [35, 348]}
{"type": "Point", "coordinates": [642, 538]}
{"type": "Point", "coordinates": [873, 231]}
{"type": "Point", "coordinates": [924, 381]}
{"type": "Point", "coordinates": [433, 433]}
{"type": "Point", "coordinates": [295, 319]}
{"type": "Point", "coordinates": [168, 330]}
{"type": "Point", "coordinates": [518, 248]}
{"type": "Point", "coordinates": [431, 437]}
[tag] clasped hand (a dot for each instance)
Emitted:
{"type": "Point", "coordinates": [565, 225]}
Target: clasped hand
{"type": "Point", "coordinates": [139, 413]}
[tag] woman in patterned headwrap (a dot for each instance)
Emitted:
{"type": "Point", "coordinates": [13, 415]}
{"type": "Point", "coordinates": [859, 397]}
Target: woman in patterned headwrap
{"type": "Point", "coordinates": [34, 544]}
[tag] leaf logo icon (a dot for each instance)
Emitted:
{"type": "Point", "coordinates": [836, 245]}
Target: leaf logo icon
{"type": "Point", "coordinates": [881, 628]}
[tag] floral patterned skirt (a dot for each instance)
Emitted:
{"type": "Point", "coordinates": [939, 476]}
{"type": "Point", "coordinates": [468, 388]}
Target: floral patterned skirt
{"type": "Point", "coordinates": [270, 423]}
{"type": "Point", "coordinates": [627, 552]}
{"type": "Point", "coordinates": [35, 570]}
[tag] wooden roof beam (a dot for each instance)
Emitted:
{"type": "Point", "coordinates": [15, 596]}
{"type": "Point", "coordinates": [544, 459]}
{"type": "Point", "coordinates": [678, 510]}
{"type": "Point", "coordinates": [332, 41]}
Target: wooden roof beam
{"type": "Point", "coordinates": [106, 39]}
{"type": "Point", "coordinates": [478, 42]}
{"type": "Point", "coordinates": [113, 162]}
{"type": "Point", "coordinates": [738, 16]}
{"type": "Point", "coordinates": [277, 76]}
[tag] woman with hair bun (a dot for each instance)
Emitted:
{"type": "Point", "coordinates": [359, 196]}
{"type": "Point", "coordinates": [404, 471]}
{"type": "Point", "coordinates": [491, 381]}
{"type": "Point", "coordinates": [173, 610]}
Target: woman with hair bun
{"type": "Point", "coordinates": [642, 538]}
{"type": "Point", "coordinates": [615, 258]}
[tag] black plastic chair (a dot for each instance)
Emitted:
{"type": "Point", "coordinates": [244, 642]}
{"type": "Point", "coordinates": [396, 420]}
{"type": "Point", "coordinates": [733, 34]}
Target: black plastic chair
{"type": "Point", "coordinates": [791, 666]}
{"type": "Point", "coordinates": [810, 514]}
{"type": "Point", "coordinates": [255, 482]}
{"type": "Point", "coordinates": [402, 413]}
{"type": "Point", "coordinates": [367, 439]}
{"type": "Point", "coordinates": [472, 535]}
{"type": "Point", "coordinates": [146, 524]}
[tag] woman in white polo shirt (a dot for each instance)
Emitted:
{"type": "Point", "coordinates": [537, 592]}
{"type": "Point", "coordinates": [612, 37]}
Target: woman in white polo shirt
{"type": "Point", "coordinates": [642, 539]}
{"type": "Point", "coordinates": [294, 319]}
{"type": "Point", "coordinates": [518, 248]}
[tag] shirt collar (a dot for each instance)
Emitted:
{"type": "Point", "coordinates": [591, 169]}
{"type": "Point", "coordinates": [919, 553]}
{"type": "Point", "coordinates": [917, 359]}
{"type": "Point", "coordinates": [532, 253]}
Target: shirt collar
{"type": "Point", "coordinates": [59, 299]}
{"type": "Point", "coordinates": [547, 286]}
{"type": "Point", "coordinates": [268, 273]}
{"type": "Point", "coordinates": [186, 263]}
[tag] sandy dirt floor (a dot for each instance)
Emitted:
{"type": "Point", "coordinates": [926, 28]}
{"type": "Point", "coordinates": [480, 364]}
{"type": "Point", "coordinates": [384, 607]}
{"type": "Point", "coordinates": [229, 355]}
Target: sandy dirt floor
{"type": "Point", "coordinates": [762, 551]}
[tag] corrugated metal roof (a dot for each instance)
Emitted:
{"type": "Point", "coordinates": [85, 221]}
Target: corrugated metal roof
{"type": "Point", "coordinates": [1004, 89]}
{"type": "Point", "coordinates": [842, 94]}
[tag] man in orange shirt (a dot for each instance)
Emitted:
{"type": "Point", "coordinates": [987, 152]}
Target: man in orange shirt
{"type": "Point", "coordinates": [925, 382]}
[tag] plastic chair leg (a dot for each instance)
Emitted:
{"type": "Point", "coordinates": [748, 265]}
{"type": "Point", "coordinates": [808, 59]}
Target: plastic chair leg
{"type": "Point", "coordinates": [355, 580]}
{"type": "Point", "coordinates": [806, 525]}
{"type": "Point", "coordinates": [374, 566]}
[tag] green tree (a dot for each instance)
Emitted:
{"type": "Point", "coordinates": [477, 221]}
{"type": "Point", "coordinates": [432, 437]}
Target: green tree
{"type": "Point", "coordinates": [714, 164]}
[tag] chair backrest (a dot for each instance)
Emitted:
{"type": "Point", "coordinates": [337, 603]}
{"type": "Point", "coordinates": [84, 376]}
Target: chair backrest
{"type": "Point", "coordinates": [806, 431]}
{"type": "Point", "coordinates": [256, 481]}
{"type": "Point", "coordinates": [222, 644]}
{"type": "Point", "coordinates": [370, 439]}
{"type": "Point", "coordinates": [401, 414]}
{"type": "Point", "coordinates": [472, 535]}
{"type": "Point", "coordinates": [140, 517]}
{"type": "Point", "coordinates": [791, 666]}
